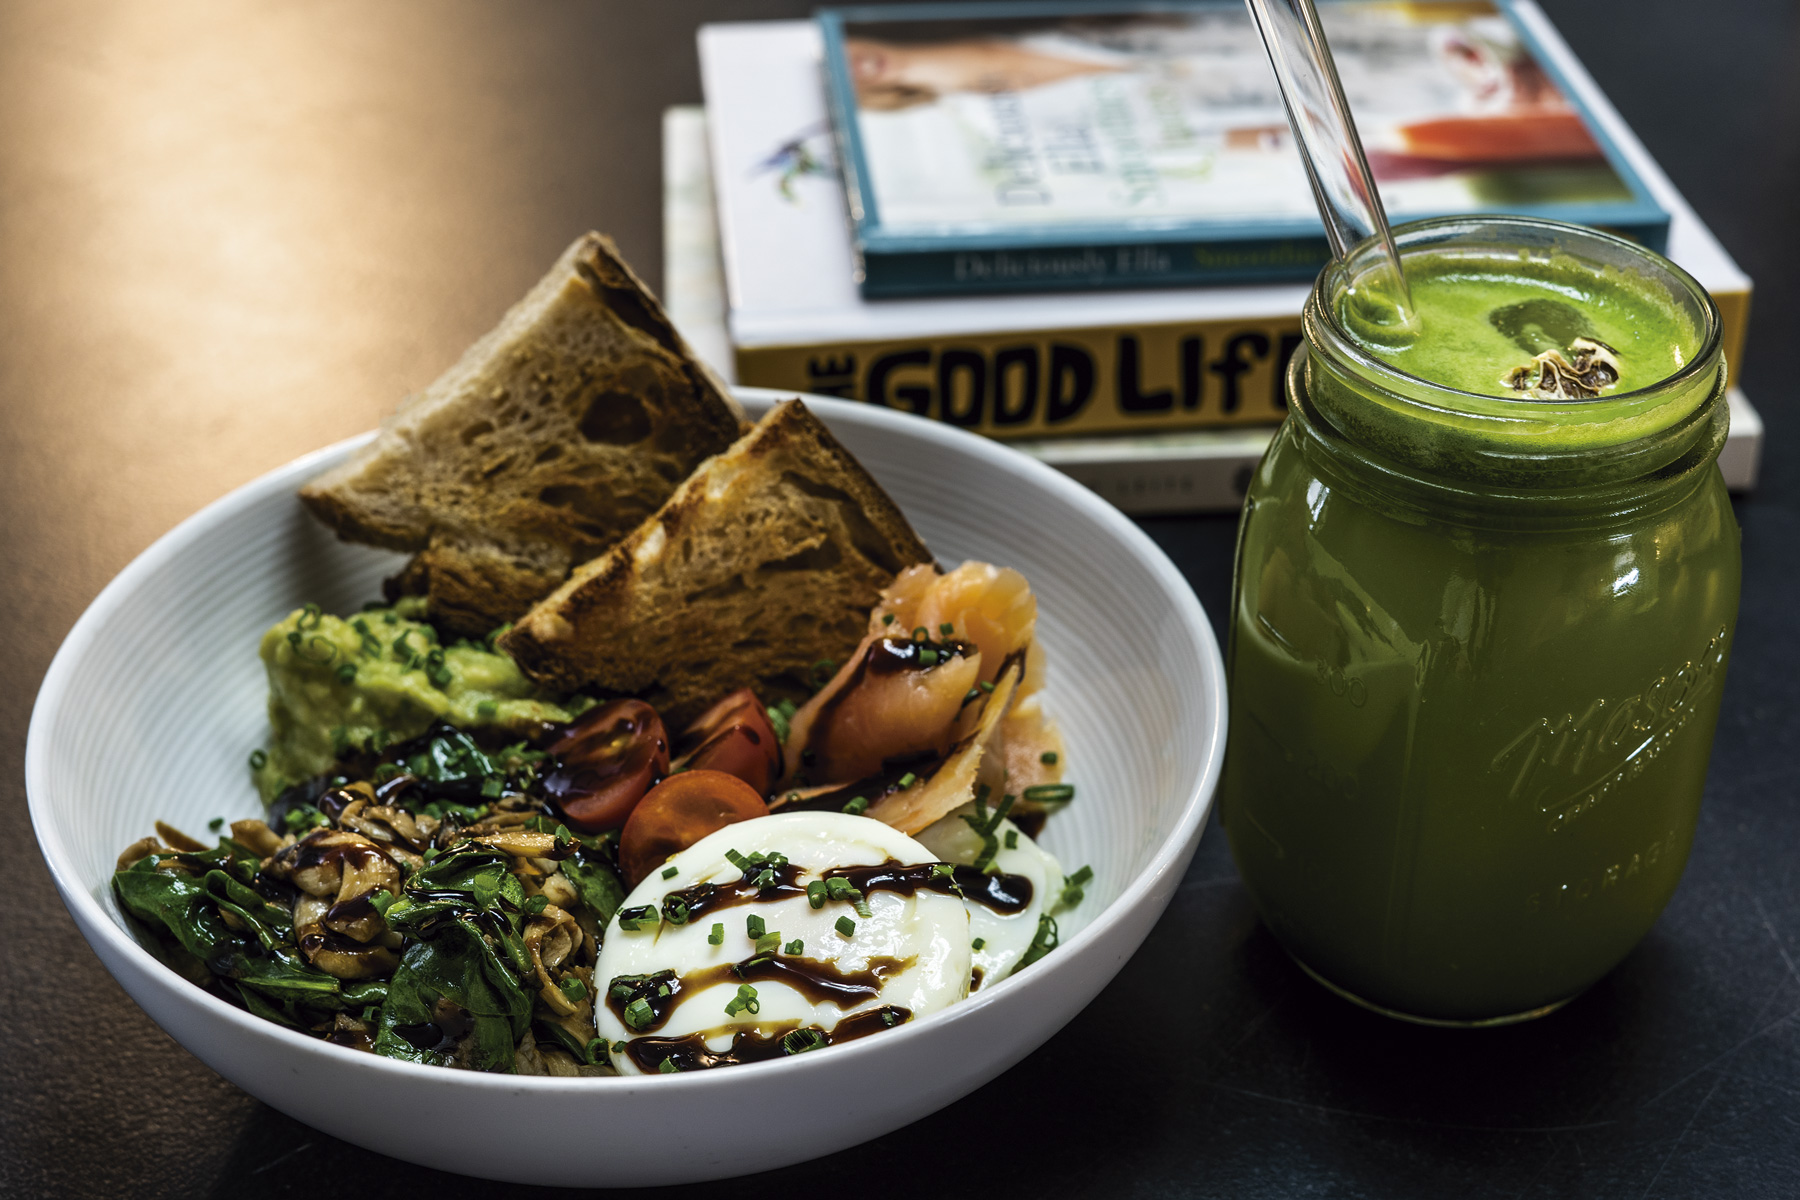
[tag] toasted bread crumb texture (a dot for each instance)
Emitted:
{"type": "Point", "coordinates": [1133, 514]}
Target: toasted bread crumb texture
{"type": "Point", "coordinates": [553, 437]}
{"type": "Point", "coordinates": [767, 560]}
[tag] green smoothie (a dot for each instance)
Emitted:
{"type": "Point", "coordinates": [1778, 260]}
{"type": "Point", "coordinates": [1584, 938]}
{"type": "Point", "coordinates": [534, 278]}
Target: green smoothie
{"type": "Point", "coordinates": [1478, 640]}
{"type": "Point", "coordinates": [1483, 315]}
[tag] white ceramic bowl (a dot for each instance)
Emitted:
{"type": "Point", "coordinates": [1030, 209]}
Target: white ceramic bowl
{"type": "Point", "coordinates": [156, 699]}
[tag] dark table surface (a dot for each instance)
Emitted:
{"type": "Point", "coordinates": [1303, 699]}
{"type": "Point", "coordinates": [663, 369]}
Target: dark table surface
{"type": "Point", "coordinates": [232, 233]}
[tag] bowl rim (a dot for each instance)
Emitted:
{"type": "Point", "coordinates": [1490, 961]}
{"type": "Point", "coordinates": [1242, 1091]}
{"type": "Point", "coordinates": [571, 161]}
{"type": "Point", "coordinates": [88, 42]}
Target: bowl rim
{"type": "Point", "coordinates": [92, 917]}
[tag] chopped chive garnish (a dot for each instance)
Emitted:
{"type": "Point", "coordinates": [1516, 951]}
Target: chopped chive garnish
{"type": "Point", "coordinates": [816, 893]}
{"type": "Point", "coordinates": [216, 824]}
{"type": "Point", "coordinates": [1012, 839]}
{"type": "Point", "coordinates": [946, 629]}
{"type": "Point", "coordinates": [845, 926]}
{"type": "Point", "coordinates": [799, 1041]}
{"type": "Point", "coordinates": [888, 620]}
{"type": "Point", "coordinates": [258, 760]}
{"type": "Point", "coordinates": [971, 694]}
{"type": "Point", "coordinates": [908, 779]}
{"type": "Point", "coordinates": [670, 872]}
{"type": "Point", "coordinates": [797, 946]}
{"type": "Point", "coordinates": [768, 943]}
{"type": "Point", "coordinates": [639, 1014]}
{"type": "Point", "coordinates": [985, 824]}
{"type": "Point", "coordinates": [633, 919]}
{"type": "Point", "coordinates": [978, 943]}
{"type": "Point", "coordinates": [436, 671]}
{"type": "Point", "coordinates": [1048, 758]}
{"type": "Point", "coordinates": [675, 909]}
{"type": "Point", "coordinates": [667, 1067]}
{"type": "Point", "coordinates": [737, 860]}
{"type": "Point", "coordinates": [753, 925]}
{"type": "Point", "coordinates": [618, 1047]}
{"type": "Point", "coordinates": [717, 936]}
{"type": "Point", "coordinates": [764, 878]}
{"type": "Point", "coordinates": [778, 722]}
{"type": "Point", "coordinates": [595, 1049]}
{"type": "Point", "coordinates": [889, 1017]}
{"type": "Point", "coordinates": [744, 1001]}
{"type": "Point", "coordinates": [573, 988]}
{"type": "Point", "coordinates": [1073, 887]}
{"type": "Point", "coordinates": [1050, 793]}
{"type": "Point", "coordinates": [857, 806]}
{"type": "Point", "coordinates": [928, 657]}
{"type": "Point", "coordinates": [1043, 943]}
{"type": "Point", "coordinates": [943, 870]}
{"type": "Point", "coordinates": [986, 685]}
{"type": "Point", "coordinates": [346, 673]}
{"type": "Point", "coordinates": [921, 634]}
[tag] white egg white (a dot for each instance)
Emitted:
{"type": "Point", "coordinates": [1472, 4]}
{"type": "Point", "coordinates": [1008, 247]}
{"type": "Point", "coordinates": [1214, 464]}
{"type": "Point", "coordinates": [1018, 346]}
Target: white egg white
{"type": "Point", "coordinates": [917, 944]}
{"type": "Point", "coordinates": [1004, 937]}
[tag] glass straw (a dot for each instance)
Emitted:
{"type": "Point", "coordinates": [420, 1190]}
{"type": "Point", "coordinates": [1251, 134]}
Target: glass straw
{"type": "Point", "coordinates": [1331, 149]}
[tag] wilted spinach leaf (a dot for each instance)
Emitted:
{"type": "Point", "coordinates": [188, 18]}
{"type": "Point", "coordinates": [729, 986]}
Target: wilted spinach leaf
{"type": "Point", "coordinates": [598, 882]}
{"type": "Point", "coordinates": [450, 765]}
{"type": "Point", "coordinates": [187, 907]}
{"type": "Point", "coordinates": [455, 965]}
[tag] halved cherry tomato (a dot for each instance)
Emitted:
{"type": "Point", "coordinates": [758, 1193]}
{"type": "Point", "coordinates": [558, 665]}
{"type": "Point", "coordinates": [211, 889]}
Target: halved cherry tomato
{"type": "Point", "coordinates": [606, 761]}
{"type": "Point", "coordinates": [680, 811]}
{"type": "Point", "coordinates": [733, 736]}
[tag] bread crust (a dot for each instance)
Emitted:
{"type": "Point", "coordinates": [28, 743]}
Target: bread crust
{"type": "Point", "coordinates": [765, 561]}
{"type": "Point", "coordinates": [552, 437]}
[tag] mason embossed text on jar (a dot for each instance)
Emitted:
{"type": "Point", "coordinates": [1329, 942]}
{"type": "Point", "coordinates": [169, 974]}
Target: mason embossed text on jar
{"type": "Point", "coordinates": [1478, 641]}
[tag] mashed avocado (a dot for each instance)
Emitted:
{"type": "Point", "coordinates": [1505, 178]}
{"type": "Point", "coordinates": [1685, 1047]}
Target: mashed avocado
{"type": "Point", "coordinates": [340, 685]}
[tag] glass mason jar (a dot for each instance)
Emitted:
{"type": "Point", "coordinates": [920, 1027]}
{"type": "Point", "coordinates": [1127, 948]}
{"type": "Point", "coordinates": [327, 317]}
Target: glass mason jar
{"type": "Point", "coordinates": [1477, 648]}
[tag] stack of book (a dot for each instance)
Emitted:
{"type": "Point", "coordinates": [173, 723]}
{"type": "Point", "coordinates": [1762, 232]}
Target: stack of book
{"type": "Point", "coordinates": [1088, 234]}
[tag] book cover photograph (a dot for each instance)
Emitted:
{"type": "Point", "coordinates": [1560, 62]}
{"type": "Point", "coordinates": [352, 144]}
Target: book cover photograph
{"type": "Point", "coordinates": [1034, 146]}
{"type": "Point", "coordinates": [773, 252]}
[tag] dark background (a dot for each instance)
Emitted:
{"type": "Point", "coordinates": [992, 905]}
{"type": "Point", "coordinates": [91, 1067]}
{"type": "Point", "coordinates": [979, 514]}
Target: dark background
{"type": "Point", "coordinates": [232, 233]}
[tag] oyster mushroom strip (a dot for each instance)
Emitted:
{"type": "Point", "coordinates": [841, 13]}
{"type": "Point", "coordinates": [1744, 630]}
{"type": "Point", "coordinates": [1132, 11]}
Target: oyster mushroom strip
{"type": "Point", "coordinates": [404, 836]}
{"type": "Point", "coordinates": [336, 923]}
{"type": "Point", "coordinates": [541, 851]}
{"type": "Point", "coordinates": [541, 855]}
{"type": "Point", "coordinates": [550, 938]}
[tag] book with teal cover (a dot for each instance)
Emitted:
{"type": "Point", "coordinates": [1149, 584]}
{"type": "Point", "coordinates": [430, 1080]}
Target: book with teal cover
{"type": "Point", "coordinates": [1032, 145]}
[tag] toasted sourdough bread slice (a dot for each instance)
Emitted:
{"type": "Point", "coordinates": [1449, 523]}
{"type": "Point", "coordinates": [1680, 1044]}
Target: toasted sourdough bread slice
{"type": "Point", "coordinates": [765, 561]}
{"type": "Point", "coordinates": [553, 437]}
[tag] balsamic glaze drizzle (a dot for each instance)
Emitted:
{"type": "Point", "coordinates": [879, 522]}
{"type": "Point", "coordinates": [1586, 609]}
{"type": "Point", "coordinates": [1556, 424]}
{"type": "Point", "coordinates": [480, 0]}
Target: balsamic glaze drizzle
{"type": "Point", "coordinates": [690, 1053]}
